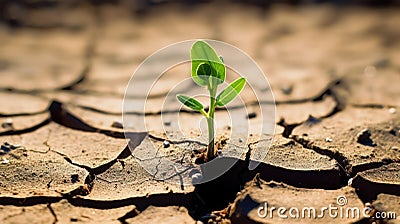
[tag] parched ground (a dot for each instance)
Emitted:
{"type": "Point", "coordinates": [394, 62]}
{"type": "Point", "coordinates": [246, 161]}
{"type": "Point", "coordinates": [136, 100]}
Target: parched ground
{"type": "Point", "coordinates": [334, 73]}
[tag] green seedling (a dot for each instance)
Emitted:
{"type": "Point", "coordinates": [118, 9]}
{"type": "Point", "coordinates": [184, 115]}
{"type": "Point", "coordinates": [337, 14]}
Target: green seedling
{"type": "Point", "coordinates": [209, 71]}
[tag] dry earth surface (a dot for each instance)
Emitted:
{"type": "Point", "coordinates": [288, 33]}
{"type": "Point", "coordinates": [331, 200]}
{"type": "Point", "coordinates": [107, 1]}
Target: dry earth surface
{"type": "Point", "coordinates": [334, 72]}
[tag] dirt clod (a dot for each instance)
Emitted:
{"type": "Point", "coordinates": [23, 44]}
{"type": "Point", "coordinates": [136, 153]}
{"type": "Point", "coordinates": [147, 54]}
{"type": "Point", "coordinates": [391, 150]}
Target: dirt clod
{"type": "Point", "coordinates": [166, 144]}
{"type": "Point", "coordinates": [364, 137]}
{"type": "Point", "coordinates": [117, 124]}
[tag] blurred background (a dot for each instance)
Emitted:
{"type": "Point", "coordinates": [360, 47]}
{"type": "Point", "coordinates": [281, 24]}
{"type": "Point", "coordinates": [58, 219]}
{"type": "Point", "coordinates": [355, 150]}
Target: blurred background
{"type": "Point", "coordinates": [95, 46]}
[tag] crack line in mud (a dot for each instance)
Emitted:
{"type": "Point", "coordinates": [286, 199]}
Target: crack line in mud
{"type": "Point", "coordinates": [176, 142]}
{"type": "Point", "coordinates": [83, 76]}
{"type": "Point", "coordinates": [372, 105]}
{"type": "Point", "coordinates": [131, 214]}
{"type": "Point", "coordinates": [179, 173]}
{"type": "Point", "coordinates": [29, 200]}
{"type": "Point", "coordinates": [79, 80]}
{"type": "Point", "coordinates": [26, 130]}
{"type": "Point", "coordinates": [287, 128]}
{"type": "Point", "coordinates": [52, 213]}
{"type": "Point", "coordinates": [156, 167]}
{"type": "Point", "coordinates": [228, 108]}
{"type": "Point", "coordinates": [327, 91]}
{"type": "Point", "coordinates": [141, 203]}
{"type": "Point", "coordinates": [65, 118]}
{"type": "Point", "coordinates": [24, 114]}
{"type": "Point", "coordinates": [369, 166]}
{"type": "Point", "coordinates": [71, 85]}
{"type": "Point", "coordinates": [157, 157]}
{"type": "Point", "coordinates": [340, 104]}
{"type": "Point", "coordinates": [341, 160]}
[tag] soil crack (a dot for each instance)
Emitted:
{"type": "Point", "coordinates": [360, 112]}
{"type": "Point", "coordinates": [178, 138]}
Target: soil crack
{"type": "Point", "coordinates": [52, 213]}
{"type": "Point", "coordinates": [176, 142]}
{"type": "Point", "coordinates": [342, 161]}
{"type": "Point", "coordinates": [333, 90]}
{"type": "Point", "coordinates": [26, 130]}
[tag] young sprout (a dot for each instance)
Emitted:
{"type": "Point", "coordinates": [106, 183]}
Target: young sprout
{"type": "Point", "coordinates": [208, 70]}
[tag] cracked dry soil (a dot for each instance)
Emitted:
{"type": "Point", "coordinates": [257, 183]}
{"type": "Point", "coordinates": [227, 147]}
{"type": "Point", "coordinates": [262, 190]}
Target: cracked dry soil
{"type": "Point", "coordinates": [334, 72]}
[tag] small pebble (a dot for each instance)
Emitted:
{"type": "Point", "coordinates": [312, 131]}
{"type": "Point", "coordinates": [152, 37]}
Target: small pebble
{"type": "Point", "coordinates": [312, 120]}
{"type": "Point", "coordinates": [208, 216]}
{"type": "Point", "coordinates": [5, 148]}
{"type": "Point", "coordinates": [196, 151]}
{"type": "Point", "coordinates": [287, 90]}
{"type": "Point", "coordinates": [166, 144]}
{"type": "Point", "coordinates": [196, 177]}
{"type": "Point", "coordinates": [328, 139]}
{"type": "Point", "coordinates": [382, 63]}
{"type": "Point", "coordinates": [394, 132]}
{"type": "Point", "coordinates": [392, 110]}
{"type": "Point", "coordinates": [350, 182]}
{"type": "Point", "coordinates": [16, 146]}
{"type": "Point", "coordinates": [240, 140]}
{"type": "Point", "coordinates": [370, 71]}
{"type": "Point", "coordinates": [167, 123]}
{"type": "Point", "coordinates": [387, 160]}
{"type": "Point", "coordinates": [364, 137]}
{"type": "Point", "coordinates": [395, 148]}
{"type": "Point", "coordinates": [117, 124]}
{"type": "Point", "coordinates": [8, 124]}
{"type": "Point", "coordinates": [5, 161]}
{"type": "Point", "coordinates": [251, 115]}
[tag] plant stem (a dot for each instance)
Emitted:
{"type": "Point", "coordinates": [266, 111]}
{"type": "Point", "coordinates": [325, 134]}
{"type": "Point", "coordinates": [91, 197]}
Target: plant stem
{"type": "Point", "coordinates": [210, 123]}
{"type": "Point", "coordinates": [210, 149]}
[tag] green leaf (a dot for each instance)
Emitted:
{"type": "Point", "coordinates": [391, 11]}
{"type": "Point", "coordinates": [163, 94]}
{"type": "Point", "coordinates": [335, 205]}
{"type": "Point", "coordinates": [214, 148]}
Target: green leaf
{"type": "Point", "coordinates": [204, 70]}
{"type": "Point", "coordinates": [230, 92]}
{"type": "Point", "coordinates": [203, 53]}
{"type": "Point", "coordinates": [190, 102]}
